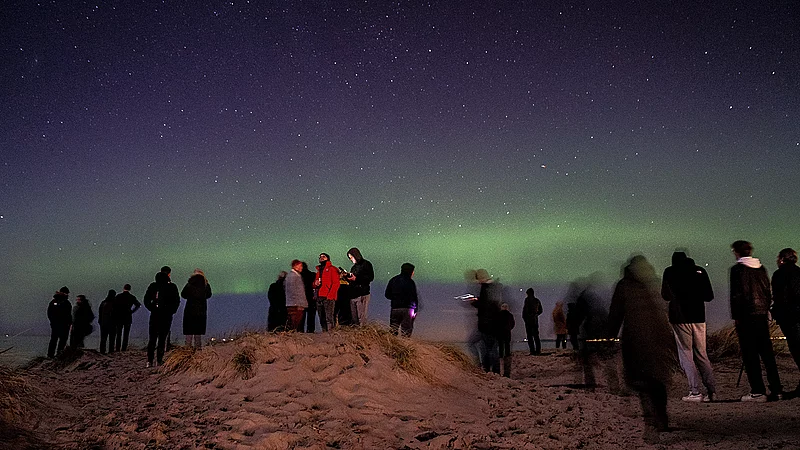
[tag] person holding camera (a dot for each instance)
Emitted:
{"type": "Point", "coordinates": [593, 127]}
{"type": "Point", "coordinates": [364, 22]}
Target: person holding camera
{"type": "Point", "coordinates": [361, 275]}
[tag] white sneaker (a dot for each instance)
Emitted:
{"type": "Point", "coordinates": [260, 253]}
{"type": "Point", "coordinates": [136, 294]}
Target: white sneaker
{"type": "Point", "coordinates": [708, 398]}
{"type": "Point", "coordinates": [693, 397]}
{"type": "Point", "coordinates": [149, 364]}
{"type": "Point", "coordinates": [760, 398]}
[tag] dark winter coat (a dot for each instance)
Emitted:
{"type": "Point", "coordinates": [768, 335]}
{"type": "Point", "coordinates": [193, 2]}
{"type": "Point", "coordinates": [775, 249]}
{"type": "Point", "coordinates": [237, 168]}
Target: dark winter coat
{"type": "Point", "coordinates": [786, 293]}
{"type": "Point", "coordinates": [82, 318]}
{"type": "Point", "coordinates": [648, 347]}
{"type": "Point", "coordinates": [123, 302]}
{"type": "Point", "coordinates": [195, 313]}
{"type": "Point", "coordinates": [363, 272]}
{"type": "Point", "coordinates": [276, 317]}
{"type": "Point", "coordinates": [59, 311]}
{"type": "Point", "coordinates": [559, 319]}
{"type": "Point", "coordinates": [105, 312]}
{"type": "Point", "coordinates": [162, 298]}
{"type": "Point", "coordinates": [750, 291]}
{"type": "Point", "coordinates": [531, 311]}
{"type": "Point", "coordinates": [687, 289]}
{"type": "Point", "coordinates": [505, 323]}
{"type": "Point", "coordinates": [402, 292]}
{"type": "Point", "coordinates": [488, 305]}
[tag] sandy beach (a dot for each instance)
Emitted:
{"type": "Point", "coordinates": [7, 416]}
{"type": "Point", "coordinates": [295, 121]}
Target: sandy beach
{"type": "Point", "coordinates": [355, 389]}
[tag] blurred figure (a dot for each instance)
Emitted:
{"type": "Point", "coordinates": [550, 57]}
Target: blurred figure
{"type": "Point", "coordinates": [59, 312]}
{"type": "Point", "coordinates": [402, 293]}
{"type": "Point", "coordinates": [82, 318]}
{"type": "Point", "coordinates": [530, 314]}
{"type": "Point", "coordinates": [648, 347]}
{"type": "Point", "coordinates": [488, 305]}
{"type": "Point", "coordinates": [162, 300]}
{"type": "Point", "coordinates": [786, 309]}
{"type": "Point", "coordinates": [276, 315]}
{"type": "Point", "coordinates": [327, 285]}
{"type": "Point", "coordinates": [587, 322]}
{"type": "Point", "coordinates": [560, 325]}
{"type": "Point", "coordinates": [295, 296]}
{"type": "Point", "coordinates": [505, 323]}
{"type": "Point", "coordinates": [310, 313]}
{"type": "Point", "coordinates": [123, 317]}
{"type": "Point", "coordinates": [361, 275]}
{"type": "Point", "coordinates": [750, 302]}
{"type": "Point", "coordinates": [197, 291]}
{"type": "Point", "coordinates": [687, 289]}
{"type": "Point", "coordinates": [105, 318]}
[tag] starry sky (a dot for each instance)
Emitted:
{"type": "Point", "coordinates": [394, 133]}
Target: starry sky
{"type": "Point", "coordinates": [541, 140]}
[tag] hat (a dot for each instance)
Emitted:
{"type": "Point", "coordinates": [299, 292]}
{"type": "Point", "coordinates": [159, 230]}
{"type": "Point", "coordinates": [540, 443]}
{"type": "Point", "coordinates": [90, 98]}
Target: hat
{"type": "Point", "coordinates": [64, 290]}
{"type": "Point", "coordinates": [482, 275]}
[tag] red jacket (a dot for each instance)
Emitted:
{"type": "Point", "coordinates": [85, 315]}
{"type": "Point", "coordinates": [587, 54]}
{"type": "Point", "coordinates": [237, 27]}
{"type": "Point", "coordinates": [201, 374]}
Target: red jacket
{"type": "Point", "coordinates": [328, 281]}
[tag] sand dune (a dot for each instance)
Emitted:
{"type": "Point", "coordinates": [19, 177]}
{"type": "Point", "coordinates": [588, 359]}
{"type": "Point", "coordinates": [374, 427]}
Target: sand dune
{"type": "Point", "coordinates": [357, 389]}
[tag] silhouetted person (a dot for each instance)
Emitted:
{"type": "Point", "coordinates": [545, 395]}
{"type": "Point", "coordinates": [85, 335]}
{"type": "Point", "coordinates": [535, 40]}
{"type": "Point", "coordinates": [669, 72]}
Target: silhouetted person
{"type": "Point", "coordinates": [687, 289]}
{"type": "Point", "coordinates": [276, 315]}
{"type": "Point", "coordinates": [125, 304]}
{"type": "Point", "coordinates": [531, 311]}
{"type": "Point", "coordinates": [560, 325]}
{"type": "Point", "coordinates": [402, 293]}
{"type": "Point", "coordinates": [59, 312]}
{"type": "Point", "coordinates": [576, 314]}
{"type": "Point", "coordinates": [82, 318]}
{"type": "Point", "coordinates": [342, 309]}
{"type": "Point", "coordinates": [648, 347]}
{"type": "Point", "coordinates": [327, 284]}
{"type": "Point", "coordinates": [488, 305]}
{"type": "Point", "coordinates": [361, 275]}
{"type": "Point", "coordinates": [105, 318]}
{"type": "Point", "coordinates": [197, 291]}
{"type": "Point", "coordinates": [750, 302]}
{"type": "Point", "coordinates": [786, 309]}
{"type": "Point", "coordinates": [296, 301]}
{"type": "Point", "coordinates": [310, 313]}
{"type": "Point", "coordinates": [162, 300]}
{"type": "Point", "coordinates": [505, 323]}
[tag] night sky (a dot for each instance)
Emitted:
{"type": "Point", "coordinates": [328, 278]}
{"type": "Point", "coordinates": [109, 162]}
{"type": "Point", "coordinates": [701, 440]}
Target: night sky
{"type": "Point", "coordinates": [540, 140]}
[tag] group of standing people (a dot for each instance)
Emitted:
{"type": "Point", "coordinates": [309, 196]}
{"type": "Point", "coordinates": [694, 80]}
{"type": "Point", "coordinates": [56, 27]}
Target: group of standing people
{"type": "Point", "coordinates": [116, 311]}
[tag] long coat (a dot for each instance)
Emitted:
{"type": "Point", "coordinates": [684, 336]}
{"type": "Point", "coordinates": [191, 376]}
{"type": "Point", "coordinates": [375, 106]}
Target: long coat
{"type": "Point", "coordinates": [195, 314]}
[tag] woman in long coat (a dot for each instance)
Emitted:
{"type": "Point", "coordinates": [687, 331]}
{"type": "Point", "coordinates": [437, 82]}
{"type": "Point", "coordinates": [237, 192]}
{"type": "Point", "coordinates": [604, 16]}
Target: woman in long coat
{"type": "Point", "coordinates": [195, 314]}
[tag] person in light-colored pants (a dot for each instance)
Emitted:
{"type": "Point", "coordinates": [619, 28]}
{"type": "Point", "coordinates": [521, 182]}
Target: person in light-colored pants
{"type": "Point", "coordinates": [691, 340]}
{"type": "Point", "coordinates": [359, 307]}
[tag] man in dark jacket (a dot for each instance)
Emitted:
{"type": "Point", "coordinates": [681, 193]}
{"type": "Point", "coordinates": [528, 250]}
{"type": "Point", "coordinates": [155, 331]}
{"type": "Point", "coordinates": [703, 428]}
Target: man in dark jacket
{"type": "Point", "coordinates": [361, 275]}
{"type": "Point", "coordinates": [750, 302]}
{"type": "Point", "coordinates": [162, 300]}
{"type": "Point", "coordinates": [105, 318]}
{"type": "Point", "coordinates": [402, 292]}
{"type": "Point", "coordinates": [59, 312]}
{"type": "Point", "coordinates": [123, 317]}
{"type": "Point", "coordinates": [488, 305]}
{"type": "Point", "coordinates": [276, 314]}
{"type": "Point", "coordinates": [786, 309]}
{"type": "Point", "coordinates": [687, 289]}
{"type": "Point", "coordinates": [530, 314]}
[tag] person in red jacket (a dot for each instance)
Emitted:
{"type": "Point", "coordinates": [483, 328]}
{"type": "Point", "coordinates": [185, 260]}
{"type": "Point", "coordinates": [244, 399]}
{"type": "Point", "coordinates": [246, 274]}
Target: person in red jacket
{"type": "Point", "coordinates": [327, 285]}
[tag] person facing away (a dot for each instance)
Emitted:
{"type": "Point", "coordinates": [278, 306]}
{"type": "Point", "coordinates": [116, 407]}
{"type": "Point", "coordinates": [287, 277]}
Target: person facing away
{"type": "Point", "coordinates": [750, 299]}
{"type": "Point", "coordinates": [560, 325]}
{"type": "Point", "coordinates": [310, 313]}
{"type": "Point", "coordinates": [276, 314]}
{"type": "Point", "coordinates": [786, 306]}
{"type": "Point", "coordinates": [82, 318]}
{"type": "Point", "coordinates": [687, 288]}
{"type": "Point", "coordinates": [326, 283]}
{"type": "Point", "coordinates": [361, 275]}
{"type": "Point", "coordinates": [488, 305]}
{"type": "Point", "coordinates": [59, 313]}
{"type": "Point", "coordinates": [123, 317]}
{"type": "Point", "coordinates": [530, 314]}
{"type": "Point", "coordinates": [296, 301]}
{"type": "Point", "coordinates": [402, 293]}
{"type": "Point", "coordinates": [505, 323]}
{"type": "Point", "coordinates": [648, 348]}
{"type": "Point", "coordinates": [105, 318]}
{"type": "Point", "coordinates": [162, 300]}
{"type": "Point", "coordinates": [197, 291]}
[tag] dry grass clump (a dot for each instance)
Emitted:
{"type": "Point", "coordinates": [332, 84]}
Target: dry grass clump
{"type": "Point", "coordinates": [244, 361]}
{"type": "Point", "coordinates": [13, 389]}
{"type": "Point", "coordinates": [401, 350]}
{"type": "Point", "coordinates": [182, 359]}
{"type": "Point", "coordinates": [725, 343]}
{"type": "Point", "coordinates": [457, 356]}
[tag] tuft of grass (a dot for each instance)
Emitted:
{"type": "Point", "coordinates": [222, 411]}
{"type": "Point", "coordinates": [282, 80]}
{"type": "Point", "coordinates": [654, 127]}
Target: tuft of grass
{"type": "Point", "coordinates": [182, 359]}
{"type": "Point", "coordinates": [725, 342]}
{"type": "Point", "coordinates": [243, 362]}
{"type": "Point", "coordinates": [457, 356]}
{"type": "Point", "coordinates": [401, 350]}
{"type": "Point", "coordinates": [14, 395]}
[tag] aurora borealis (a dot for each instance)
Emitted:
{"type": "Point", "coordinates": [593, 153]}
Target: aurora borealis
{"type": "Point", "coordinates": [541, 140]}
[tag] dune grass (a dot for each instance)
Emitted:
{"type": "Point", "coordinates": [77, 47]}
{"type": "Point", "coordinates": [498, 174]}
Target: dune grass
{"type": "Point", "coordinates": [725, 343]}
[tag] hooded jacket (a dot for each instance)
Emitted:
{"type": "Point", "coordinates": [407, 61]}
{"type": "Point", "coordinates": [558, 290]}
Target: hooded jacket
{"type": "Point", "coordinates": [362, 269]}
{"type": "Point", "coordinates": [786, 292]}
{"type": "Point", "coordinates": [687, 288]}
{"type": "Point", "coordinates": [59, 310]}
{"type": "Point", "coordinates": [402, 290]}
{"type": "Point", "coordinates": [195, 313]}
{"type": "Point", "coordinates": [162, 298]}
{"type": "Point", "coordinates": [750, 289]}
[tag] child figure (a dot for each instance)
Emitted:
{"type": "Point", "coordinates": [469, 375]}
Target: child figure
{"type": "Point", "coordinates": [505, 324]}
